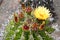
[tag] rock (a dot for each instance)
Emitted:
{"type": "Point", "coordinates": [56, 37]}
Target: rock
{"type": "Point", "coordinates": [1, 2]}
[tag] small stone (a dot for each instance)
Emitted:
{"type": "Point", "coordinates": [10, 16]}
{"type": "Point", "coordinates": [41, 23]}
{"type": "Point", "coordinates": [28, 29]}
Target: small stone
{"type": "Point", "coordinates": [25, 0]}
{"type": "Point", "coordinates": [39, 2]}
{"type": "Point", "coordinates": [44, 1]}
{"type": "Point", "coordinates": [31, 0]}
{"type": "Point", "coordinates": [7, 11]}
{"type": "Point", "coordinates": [19, 1]}
{"type": "Point", "coordinates": [51, 19]}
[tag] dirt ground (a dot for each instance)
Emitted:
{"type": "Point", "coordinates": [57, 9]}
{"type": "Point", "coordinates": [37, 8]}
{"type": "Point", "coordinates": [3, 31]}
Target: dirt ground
{"type": "Point", "coordinates": [6, 8]}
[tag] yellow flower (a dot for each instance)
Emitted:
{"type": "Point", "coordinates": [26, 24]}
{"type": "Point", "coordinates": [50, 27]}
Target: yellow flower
{"type": "Point", "coordinates": [42, 13]}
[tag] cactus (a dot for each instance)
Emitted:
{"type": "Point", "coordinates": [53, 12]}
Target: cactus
{"type": "Point", "coordinates": [30, 21]}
